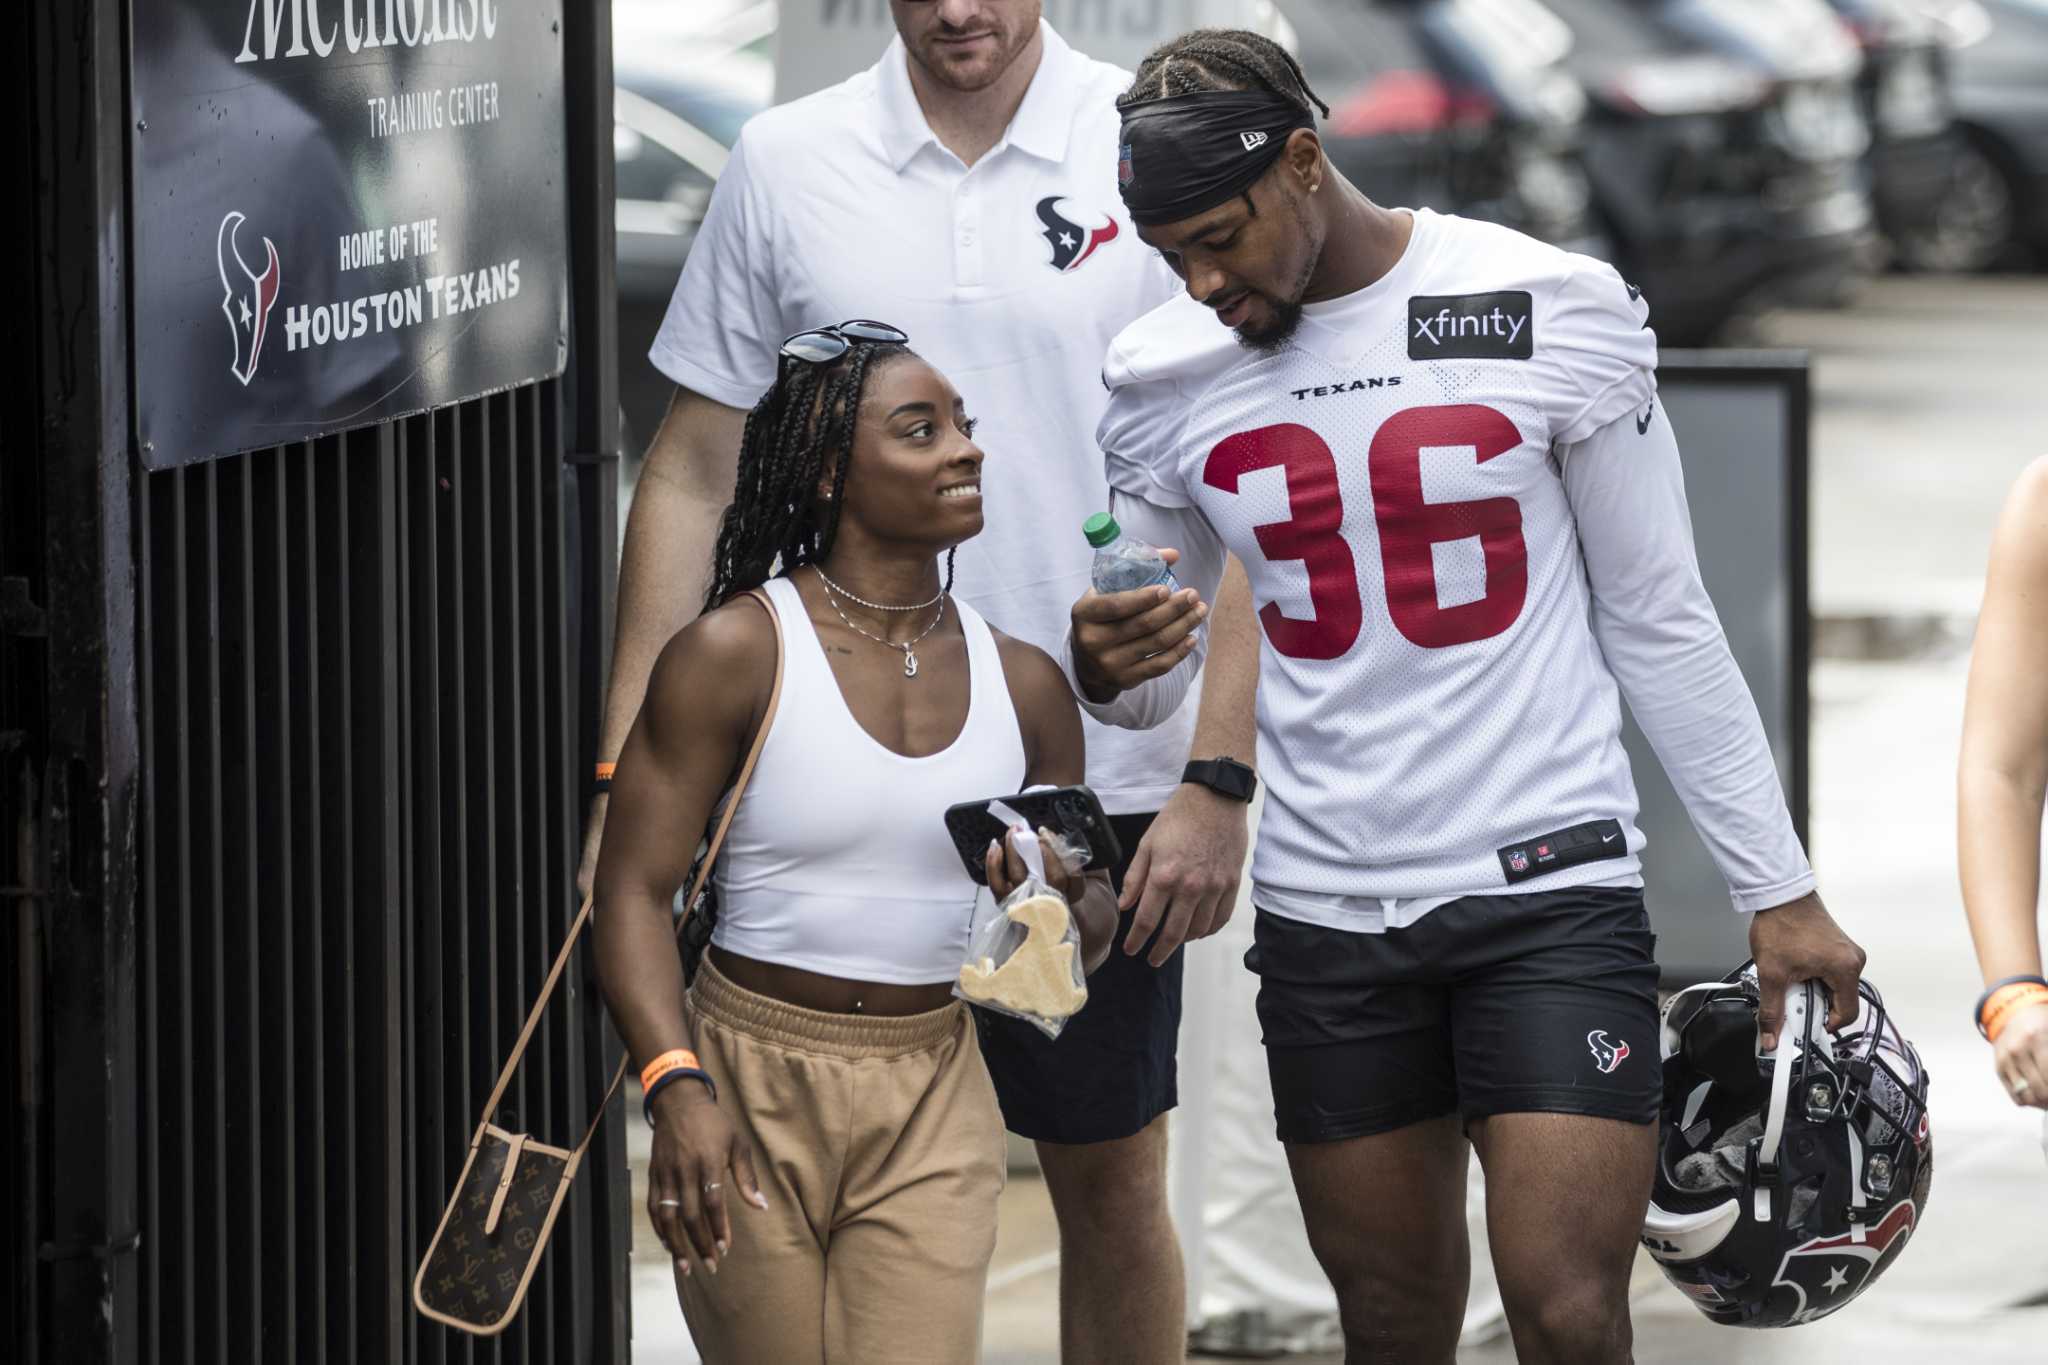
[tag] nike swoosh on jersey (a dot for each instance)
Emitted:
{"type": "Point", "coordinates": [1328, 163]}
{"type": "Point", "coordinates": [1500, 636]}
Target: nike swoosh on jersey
{"type": "Point", "coordinates": [1643, 422]}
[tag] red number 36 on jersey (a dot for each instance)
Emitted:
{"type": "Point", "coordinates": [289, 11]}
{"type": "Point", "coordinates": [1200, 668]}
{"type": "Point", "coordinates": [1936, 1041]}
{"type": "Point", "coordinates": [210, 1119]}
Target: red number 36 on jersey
{"type": "Point", "coordinates": [1408, 527]}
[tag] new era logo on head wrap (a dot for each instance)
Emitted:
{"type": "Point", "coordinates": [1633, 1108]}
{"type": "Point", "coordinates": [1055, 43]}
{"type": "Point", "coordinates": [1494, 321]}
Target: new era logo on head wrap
{"type": "Point", "coordinates": [1190, 152]}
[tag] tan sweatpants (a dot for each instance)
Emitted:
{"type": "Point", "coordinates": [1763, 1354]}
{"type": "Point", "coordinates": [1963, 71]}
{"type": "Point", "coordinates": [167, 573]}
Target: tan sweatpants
{"type": "Point", "coordinates": [880, 1152]}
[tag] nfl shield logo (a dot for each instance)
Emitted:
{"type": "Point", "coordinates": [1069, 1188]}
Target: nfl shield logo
{"type": "Point", "coordinates": [1124, 174]}
{"type": "Point", "coordinates": [1518, 860]}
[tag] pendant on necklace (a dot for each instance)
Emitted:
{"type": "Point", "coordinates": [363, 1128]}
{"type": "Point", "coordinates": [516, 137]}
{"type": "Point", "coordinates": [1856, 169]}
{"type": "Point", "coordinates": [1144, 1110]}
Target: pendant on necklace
{"type": "Point", "coordinates": [909, 662]}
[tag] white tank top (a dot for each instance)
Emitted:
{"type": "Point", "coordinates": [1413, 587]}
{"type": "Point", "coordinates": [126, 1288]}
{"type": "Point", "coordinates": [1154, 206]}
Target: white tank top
{"type": "Point", "coordinates": [838, 860]}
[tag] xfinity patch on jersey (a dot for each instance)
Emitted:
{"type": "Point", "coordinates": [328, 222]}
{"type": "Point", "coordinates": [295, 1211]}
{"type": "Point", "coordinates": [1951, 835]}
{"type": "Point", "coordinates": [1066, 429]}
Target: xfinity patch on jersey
{"type": "Point", "coordinates": [1546, 853]}
{"type": "Point", "coordinates": [1499, 326]}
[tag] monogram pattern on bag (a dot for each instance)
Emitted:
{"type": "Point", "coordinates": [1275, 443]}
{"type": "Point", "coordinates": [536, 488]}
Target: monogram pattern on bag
{"type": "Point", "coordinates": [475, 1277]}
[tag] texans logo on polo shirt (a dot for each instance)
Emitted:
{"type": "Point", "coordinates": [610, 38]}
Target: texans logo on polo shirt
{"type": "Point", "coordinates": [1071, 243]}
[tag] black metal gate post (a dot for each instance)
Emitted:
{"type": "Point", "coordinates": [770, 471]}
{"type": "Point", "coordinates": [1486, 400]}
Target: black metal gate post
{"type": "Point", "coordinates": [292, 752]}
{"type": "Point", "coordinates": [594, 408]}
{"type": "Point", "coordinates": [68, 758]}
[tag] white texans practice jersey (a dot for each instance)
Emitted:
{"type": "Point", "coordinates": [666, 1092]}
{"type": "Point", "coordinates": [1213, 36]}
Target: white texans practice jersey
{"type": "Point", "coordinates": [1435, 715]}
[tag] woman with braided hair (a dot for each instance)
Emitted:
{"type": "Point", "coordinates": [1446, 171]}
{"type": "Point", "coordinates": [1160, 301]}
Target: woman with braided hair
{"type": "Point", "coordinates": [820, 1035]}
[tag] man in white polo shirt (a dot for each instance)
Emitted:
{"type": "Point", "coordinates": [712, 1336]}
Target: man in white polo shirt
{"type": "Point", "coordinates": [964, 190]}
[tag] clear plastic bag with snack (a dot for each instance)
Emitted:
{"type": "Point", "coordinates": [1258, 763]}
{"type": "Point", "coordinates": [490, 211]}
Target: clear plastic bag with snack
{"type": "Point", "coordinates": [1025, 960]}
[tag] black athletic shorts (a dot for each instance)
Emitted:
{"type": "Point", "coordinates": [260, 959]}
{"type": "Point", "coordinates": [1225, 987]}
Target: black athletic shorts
{"type": "Point", "coordinates": [1545, 1002]}
{"type": "Point", "coordinates": [1111, 1071]}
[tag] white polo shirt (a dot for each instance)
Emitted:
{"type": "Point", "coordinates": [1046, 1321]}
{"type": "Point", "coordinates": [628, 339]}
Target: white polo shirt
{"type": "Point", "coordinates": [1011, 276]}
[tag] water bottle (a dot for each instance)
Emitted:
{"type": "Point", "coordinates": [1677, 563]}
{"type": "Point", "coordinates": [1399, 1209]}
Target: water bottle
{"type": "Point", "coordinates": [1123, 562]}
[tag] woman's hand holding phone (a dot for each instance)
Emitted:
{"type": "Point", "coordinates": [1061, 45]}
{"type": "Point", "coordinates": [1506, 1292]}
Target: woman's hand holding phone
{"type": "Point", "coordinates": [1006, 870]}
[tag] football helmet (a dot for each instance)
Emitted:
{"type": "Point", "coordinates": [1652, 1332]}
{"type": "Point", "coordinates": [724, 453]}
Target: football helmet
{"type": "Point", "coordinates": [1785, 1184]}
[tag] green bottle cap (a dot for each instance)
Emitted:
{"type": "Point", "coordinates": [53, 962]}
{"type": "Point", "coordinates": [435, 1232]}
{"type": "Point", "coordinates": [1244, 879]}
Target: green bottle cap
{"type": "Point", "coordinates": [1101, 529]}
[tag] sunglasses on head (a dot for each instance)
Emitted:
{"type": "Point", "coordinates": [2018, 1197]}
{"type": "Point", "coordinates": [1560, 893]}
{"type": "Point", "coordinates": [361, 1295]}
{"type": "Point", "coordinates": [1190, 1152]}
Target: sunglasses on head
{"type": "Point", "coordinates": [822, 345]}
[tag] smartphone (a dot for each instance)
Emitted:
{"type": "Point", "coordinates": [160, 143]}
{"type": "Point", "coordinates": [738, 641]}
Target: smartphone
{"type": "Point", "coordinates": [1072, 812]}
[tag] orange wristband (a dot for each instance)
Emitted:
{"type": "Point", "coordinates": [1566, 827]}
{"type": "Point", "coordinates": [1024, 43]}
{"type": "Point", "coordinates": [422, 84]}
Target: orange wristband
{"type": "Point", "coordinates": [604, 771]}
{"type": "Point", "coordinates": [2007, 1001]}
{"type": "Point", "coordinates": [678, 1058]}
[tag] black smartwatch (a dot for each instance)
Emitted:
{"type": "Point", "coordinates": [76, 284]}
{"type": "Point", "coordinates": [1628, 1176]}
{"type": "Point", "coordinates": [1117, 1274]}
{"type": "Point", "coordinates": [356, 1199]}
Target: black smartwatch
{"type": "Point", "coordinates": [1225, 776]}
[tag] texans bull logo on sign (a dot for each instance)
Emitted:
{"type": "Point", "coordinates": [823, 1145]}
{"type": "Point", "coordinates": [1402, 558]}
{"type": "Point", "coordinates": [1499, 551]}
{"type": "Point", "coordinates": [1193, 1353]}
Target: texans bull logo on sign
{"type": "Point", "coordinates": [1071, 243]}
{"type": "Point", "coordinates": [248, 296]}
{"type": "Point", "coordinates": [1827, 1272]}
{"type": "Point", "coordinates": [1607, 1055]}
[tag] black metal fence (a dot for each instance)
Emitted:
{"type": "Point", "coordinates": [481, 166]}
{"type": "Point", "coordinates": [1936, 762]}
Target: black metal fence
{"type": "Point", "coordinates": [290, 759]}
{"type": "Point", "coordinates": [356, 830]}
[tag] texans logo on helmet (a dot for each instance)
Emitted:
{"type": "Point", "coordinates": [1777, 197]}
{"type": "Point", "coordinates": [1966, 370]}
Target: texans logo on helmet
{"type": "Point", "coordinates": [1606, 1055]}
{"type": "Point", "coordinates": [1827, 1272]}
{"type": "Point", "coordinates": [1071, 243]}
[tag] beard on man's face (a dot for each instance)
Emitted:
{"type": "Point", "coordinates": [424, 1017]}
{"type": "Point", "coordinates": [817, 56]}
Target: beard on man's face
{"type": "Point", "coordinates": [1285, 314]}
{"type": "Point", "coordinates": [1279, 329]}
{"type": "Point", "coordinates": [970, 66]}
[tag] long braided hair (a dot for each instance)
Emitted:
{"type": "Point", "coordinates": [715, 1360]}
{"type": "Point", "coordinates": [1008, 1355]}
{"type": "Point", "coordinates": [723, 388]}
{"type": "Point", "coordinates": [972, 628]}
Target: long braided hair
{"type": "Point", "coordinates": [802, 426]}
{"type": "Point", "coordinates": [1221, 59]}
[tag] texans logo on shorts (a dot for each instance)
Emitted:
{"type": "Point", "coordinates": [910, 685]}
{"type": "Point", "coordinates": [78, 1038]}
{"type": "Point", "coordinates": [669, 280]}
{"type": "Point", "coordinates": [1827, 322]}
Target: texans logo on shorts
{"type": "Point", "coordinates": [1071, 243]}
{"type": "Point", "coordinates": [1606, 1055]}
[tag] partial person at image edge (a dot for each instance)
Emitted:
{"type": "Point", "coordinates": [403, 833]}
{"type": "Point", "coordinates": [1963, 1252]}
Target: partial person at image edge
{"type": "Point", "coordinates": [2001, 776]}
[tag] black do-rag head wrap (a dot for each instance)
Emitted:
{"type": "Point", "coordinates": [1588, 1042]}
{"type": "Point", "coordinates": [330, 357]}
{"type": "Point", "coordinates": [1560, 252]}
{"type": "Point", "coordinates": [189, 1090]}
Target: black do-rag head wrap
{"type": "Point", "coordinates": [1185, 154]}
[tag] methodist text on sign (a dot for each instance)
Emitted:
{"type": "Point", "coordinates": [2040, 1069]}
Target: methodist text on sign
{"type": "Point", "coordinates": [343, 211]}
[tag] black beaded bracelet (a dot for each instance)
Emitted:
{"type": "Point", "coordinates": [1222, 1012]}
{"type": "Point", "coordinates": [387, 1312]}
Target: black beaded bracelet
{"type": "Point", "coordinates": [668, 1078]}
{"type": "Point", "coordinates": [1977, 1015]}
{"type": "Point", "coordinates": [600, 785]}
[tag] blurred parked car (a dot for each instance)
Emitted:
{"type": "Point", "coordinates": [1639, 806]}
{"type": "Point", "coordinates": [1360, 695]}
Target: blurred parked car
{"type": "Point", "coordinates": [674, 123]}
{"type": "Point", "coordinates": [1914, 143]}
{"type": "Point", "coordinates": [1998, 64]}
{"type": "Point", "coordinates": [1723, 149]}
{"type": "Point", "coordinates": [1460, 105]}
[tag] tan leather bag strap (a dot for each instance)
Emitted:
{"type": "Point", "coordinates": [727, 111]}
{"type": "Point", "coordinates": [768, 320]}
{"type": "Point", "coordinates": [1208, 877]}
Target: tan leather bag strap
{"type": "Point", "coordinates": [583, 916]}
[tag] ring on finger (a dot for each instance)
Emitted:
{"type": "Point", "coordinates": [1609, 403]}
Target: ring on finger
{"type": "Point", "coordinates": [2020, 1086]}
{"type": "Point", "coordinates": [668, 1203]}
{"type": "Point", "coordinates": [711, 1185]}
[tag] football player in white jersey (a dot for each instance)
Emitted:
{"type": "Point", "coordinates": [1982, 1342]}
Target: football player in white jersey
{"type": "Point", "coordinates": [1437, 448]}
